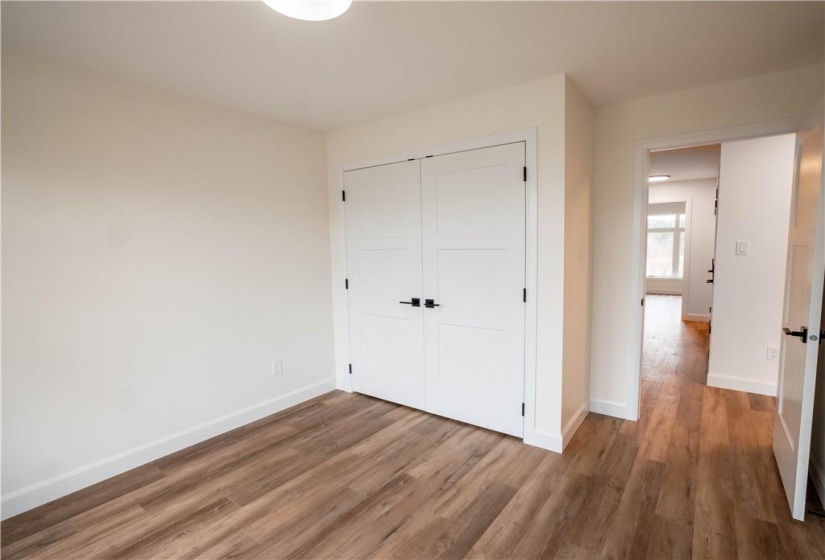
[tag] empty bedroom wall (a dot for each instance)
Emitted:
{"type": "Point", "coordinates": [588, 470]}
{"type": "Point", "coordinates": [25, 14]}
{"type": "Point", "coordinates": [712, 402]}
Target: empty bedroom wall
{"type": "Point", "coordinates": [159, 254]}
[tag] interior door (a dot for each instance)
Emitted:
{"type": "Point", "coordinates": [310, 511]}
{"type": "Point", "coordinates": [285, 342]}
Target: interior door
{"type": "Point", "coordinates": [801, 317]}
{"type": "Point", "coordinates": [712, 269]}
{"type": "Point", "coordinates": [383, 230]}
{"type": "Point", "coordinates": [473, 216]}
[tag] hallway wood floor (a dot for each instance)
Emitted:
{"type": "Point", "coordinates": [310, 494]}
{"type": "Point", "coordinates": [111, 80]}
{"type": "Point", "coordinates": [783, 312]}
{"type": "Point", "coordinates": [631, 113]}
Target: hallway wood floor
{"type": "Point", "coordinates": [348, 476]}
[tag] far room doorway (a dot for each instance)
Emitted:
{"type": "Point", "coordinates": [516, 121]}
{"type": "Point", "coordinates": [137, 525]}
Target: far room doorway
{"type": "Point", "coordinates": [681, 234]}
{"type": "Point", "coordinates": [750, 347]}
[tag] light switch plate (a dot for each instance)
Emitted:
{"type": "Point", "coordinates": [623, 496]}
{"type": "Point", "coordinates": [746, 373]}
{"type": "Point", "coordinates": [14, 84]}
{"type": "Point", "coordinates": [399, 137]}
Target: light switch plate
{"type": "Point", "coordinates": [742, 247]}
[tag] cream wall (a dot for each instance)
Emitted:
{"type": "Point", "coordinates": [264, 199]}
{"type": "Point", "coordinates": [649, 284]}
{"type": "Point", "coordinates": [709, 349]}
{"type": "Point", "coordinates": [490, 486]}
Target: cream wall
{"type": "Point", "coordinates": [578, 190]}
{"type": "Point", "coordinates": [749, 289]}
{"type": "Point", "coordinates": [159, 253]}
{"type": "Point", "coordinates": [537, 104]}
{"type": "Point", "coordinates": [616, 293]}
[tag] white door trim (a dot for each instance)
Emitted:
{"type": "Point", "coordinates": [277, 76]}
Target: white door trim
{"type": "Point", "coordinates": [339, 272]}
{"type": "Point", "coordinates": [643, 147]}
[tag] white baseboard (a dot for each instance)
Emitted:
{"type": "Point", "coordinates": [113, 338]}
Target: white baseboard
{"type": "Point", "coordinates": [570, 429]}
{"type": "Point", "coordinates": [741, 384]}
{"type": "Point", "coordinates": [550, 442]}
{"type": "Point", "coordinates": [610, 408]}
{"type": "Point", "coordinates": [696, 318]}
{"type": "Point", "coordinates": [51, 489]}
{"type": "Point", "coordinates": [818, 478]}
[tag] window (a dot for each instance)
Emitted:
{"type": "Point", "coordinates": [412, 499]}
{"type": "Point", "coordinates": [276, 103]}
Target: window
{"type": "Point", "coordinates": [666, 240]}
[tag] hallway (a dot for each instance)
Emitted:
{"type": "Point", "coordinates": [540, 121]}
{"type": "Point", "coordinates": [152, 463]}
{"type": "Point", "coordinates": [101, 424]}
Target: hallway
{"type": "Point", "coordinates": [673, 351]}
{"type": "Point", "coordinates": [720, 478]}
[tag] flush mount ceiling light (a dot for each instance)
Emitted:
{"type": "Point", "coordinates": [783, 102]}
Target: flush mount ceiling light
{"type": "Point", "coordinates": [658, 178]}
{"type": "Point", "coordinates": [310, 10]}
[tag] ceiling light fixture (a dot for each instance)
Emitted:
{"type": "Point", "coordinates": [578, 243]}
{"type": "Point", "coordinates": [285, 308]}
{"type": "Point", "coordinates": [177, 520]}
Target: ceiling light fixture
{"type": "Point", "coordinates": [310, 10]}
{"type": "Point", "coordinates": [658, 178]}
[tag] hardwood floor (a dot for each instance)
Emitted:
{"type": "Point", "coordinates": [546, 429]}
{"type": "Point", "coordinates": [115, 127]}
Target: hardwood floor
{"type": "Point", "coordinates": [348, 476]}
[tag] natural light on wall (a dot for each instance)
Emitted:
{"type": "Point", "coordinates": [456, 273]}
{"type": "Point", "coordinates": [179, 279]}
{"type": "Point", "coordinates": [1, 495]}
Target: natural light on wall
{"type": "Point", "coordinates": [310, 10]}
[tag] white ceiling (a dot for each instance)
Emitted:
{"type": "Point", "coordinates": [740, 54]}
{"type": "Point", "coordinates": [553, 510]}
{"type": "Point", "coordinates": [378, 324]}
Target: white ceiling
{"type": "Point", "coordinates": [383, 58]}
{"type": "Point", "coordinates": [684, 164]}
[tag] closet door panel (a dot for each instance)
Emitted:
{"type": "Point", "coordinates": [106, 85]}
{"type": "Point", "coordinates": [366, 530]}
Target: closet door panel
{"type": "Point", "coordinates": [384, 268]}
{"type": "Point", "coordinates": [473, 216]}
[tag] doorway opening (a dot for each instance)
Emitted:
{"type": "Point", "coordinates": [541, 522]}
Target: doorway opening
{"type": "Point", "coordinates": [679, 263]}
{"type": "Point", "coordinates": [744, 358]}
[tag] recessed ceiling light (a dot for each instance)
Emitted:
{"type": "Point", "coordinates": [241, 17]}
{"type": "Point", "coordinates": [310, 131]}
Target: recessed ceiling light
{"type": "Point", "coordinates": [310, 10]}
{"type": "Point", "coordinates": [658, 178]}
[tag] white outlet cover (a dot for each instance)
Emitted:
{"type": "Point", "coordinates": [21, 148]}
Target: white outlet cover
{"type": "Point", "coordinates": [773, 354]}
{"type": "Point", "coordinates": [277, 367]}
{"type": "Point", "coordinates": [742, 247]}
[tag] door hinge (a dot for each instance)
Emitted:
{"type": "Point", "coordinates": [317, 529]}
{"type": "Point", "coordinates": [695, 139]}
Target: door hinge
{"type": "Point", "coordinates": [343, 196]}
{"type": "Point", "coordinates": [522, 409]}
{"type": "Point", "coordinates": [643, 302]}
{"type": "Point", "coordinates": [525, 174]}
{"type": "Point", "coordinates": [346, 283]}
{"type": "Point", "coordinates": [524, 295]}
{"type": "Point", "coordinates": [350, 369]}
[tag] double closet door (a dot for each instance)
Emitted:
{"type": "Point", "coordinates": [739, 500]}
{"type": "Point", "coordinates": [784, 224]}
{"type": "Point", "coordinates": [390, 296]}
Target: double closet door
{"type": "Point", "coordinates": [436, 276]}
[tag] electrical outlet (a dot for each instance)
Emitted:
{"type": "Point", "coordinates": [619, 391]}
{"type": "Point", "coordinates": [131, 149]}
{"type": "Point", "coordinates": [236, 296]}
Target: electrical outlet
{"type": "Point", "coordinates": [277, 367]}
{"type": "Point", "coordinates": [773, 354]}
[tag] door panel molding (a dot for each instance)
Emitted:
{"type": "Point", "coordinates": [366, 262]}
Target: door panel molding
{"type": "Point", "coordinates": [384, 269]}
{"type": "Point", "coordinates": [474, 267]}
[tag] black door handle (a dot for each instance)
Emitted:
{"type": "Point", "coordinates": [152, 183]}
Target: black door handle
{"type": "Point", "coordinates": [709, 281]}
{"type": "Point", "coordinates": [430, 303]}
{"type": "Point", "coordinates": [416, 302]}
{"type": "Point", "coordinates": [802, 335]}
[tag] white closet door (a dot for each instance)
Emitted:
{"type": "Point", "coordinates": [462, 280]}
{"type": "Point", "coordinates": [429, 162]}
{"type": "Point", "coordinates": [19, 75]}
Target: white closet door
{"type": "Point", "coordinates": [383, 222]}
{"type": "Point", "coordinates": [473, 216]}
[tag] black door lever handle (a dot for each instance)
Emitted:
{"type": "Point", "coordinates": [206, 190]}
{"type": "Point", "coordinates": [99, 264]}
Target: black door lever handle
{"type": "Point", "coordinates": [802, 335]}
{"type": "Point", "coordinates": [430, 303]}
{"type": "Point", "coordinates": [416, 302]}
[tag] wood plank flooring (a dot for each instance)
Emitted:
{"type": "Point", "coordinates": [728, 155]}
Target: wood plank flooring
{"type": "Point", "coordinates": [348, 476]}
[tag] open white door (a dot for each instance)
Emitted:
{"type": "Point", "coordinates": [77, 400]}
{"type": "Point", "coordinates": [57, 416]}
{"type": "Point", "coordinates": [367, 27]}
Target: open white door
{"type": "Point", "coordinates": [474, 241]}
{"type": "Point", "coordinates": [383, 222]}
{"type": "Point", "coordinates": [801, 317]}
